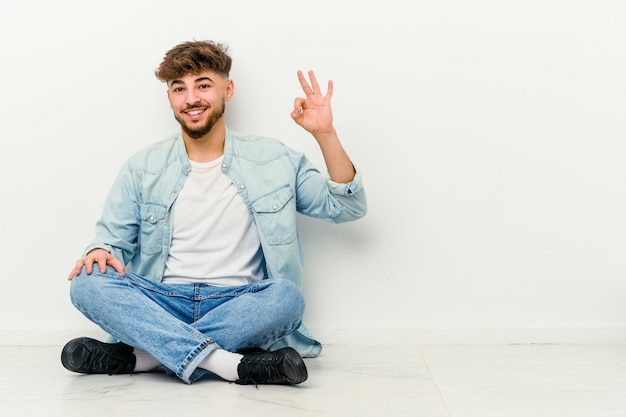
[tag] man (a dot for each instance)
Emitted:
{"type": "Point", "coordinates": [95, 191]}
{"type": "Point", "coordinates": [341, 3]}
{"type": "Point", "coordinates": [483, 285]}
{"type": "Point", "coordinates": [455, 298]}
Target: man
{"type": "Point", "coordinates": [197, 262]}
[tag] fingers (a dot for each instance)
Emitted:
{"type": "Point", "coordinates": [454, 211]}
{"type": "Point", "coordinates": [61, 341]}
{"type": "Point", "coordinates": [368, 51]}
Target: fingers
{"type": "Point", "coordinates": [72, 274]}
{"type": "Point", "coordinates": [76, 270]}
{"type": "Point", "coordinates": [298, 104]}
{"type": "Point", "coordinates": [117, 265]}
{"type": "Point", "coordinates": [329, 91]}
{"type": "Point", "coordinates": [314, 87]}
{"type": "Point", "coordinates": [100, 257]}
{"type": "Point", "coordinates": [97, 256]}
{"type": "Point", "coordinates": [304, 84]}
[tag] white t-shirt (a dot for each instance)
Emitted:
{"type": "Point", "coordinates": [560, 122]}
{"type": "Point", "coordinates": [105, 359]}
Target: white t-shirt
{"type": "Point", "coordinates": [214, 240]}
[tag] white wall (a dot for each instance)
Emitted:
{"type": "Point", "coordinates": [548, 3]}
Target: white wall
{"type": "Point", "coordinates": [491, 136]}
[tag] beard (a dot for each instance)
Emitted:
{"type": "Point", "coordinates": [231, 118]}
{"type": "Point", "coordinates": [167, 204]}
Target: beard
{"type": "Point", "coordinates": [198, 131]}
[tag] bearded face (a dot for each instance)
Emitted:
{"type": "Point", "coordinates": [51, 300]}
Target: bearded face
{"type": "Point", "coordinates": [197, 120]}
{"type": "Point", "coordinates": [198, 101]}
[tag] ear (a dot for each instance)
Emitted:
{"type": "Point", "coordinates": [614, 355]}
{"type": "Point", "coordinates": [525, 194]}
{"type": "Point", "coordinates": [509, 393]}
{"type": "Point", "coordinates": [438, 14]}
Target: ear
{"type": "Point", "coordinates": [230, 89]}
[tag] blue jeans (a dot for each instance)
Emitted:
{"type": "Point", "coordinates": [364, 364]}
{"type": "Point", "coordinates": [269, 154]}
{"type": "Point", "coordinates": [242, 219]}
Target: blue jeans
{"type": "Point", "coordinates": [181, 324]}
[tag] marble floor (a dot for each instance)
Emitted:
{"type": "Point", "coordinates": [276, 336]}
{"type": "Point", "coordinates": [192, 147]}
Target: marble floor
{"type": "Point", "coordinates": [381, 381]}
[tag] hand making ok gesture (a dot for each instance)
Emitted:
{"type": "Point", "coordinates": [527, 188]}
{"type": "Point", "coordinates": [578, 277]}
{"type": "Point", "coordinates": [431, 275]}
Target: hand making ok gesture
{"type": "Point", "coordinates": [313, 113]}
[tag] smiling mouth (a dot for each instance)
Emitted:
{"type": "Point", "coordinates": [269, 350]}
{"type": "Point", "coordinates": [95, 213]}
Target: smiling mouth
{"type": "Point", "coordinates": [195, 113]}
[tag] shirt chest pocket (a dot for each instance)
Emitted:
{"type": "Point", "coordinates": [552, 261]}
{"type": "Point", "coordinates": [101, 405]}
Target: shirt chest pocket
{"type": "Point", "coordinates": [152, 228]}
{"type": "Point", "coordinates": [276, 216]}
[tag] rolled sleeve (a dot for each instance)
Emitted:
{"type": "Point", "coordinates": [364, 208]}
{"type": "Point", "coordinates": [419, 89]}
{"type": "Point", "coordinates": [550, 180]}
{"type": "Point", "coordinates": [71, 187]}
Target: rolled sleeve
{"type": "Point", "coordinates": [349, 188]}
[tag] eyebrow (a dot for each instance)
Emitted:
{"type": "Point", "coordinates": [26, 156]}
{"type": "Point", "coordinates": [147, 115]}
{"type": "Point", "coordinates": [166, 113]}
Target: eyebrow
{"type": "Point", "coordinates": [203, 79]}
{"type": "Point", "coordinates": [197, 80]}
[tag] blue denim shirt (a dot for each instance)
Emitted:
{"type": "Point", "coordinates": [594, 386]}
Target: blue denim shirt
{"type": "Point", "coordinates": [275, 183]}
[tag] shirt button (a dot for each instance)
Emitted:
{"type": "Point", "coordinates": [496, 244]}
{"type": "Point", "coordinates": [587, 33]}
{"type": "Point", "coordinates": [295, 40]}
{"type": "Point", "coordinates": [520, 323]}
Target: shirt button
{"type": "Point", "coordinates": [151, 218]}
{"type": "Point", "coordinates": [242, 186]}
{"type": "Point", "coordinates": [274, 207]}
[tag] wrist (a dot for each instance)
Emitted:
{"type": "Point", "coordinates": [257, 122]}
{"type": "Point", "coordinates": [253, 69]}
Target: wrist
{"type": "Point", "coordinates": [325, 136]}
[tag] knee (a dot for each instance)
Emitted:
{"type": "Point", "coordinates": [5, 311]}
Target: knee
{"type": "Point", "coordinates": [85, 287]}
{"type": "Point", "coordinates": [80, 288]}
{"type": "Point", "coordinates": [288, 293]}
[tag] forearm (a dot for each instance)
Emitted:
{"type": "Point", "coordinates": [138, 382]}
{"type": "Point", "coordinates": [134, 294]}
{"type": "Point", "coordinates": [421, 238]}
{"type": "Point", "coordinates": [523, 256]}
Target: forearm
{"type": "Point", "coordinates": [338, 164]}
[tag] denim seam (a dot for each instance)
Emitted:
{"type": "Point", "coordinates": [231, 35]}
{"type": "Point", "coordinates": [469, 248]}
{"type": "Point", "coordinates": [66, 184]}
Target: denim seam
{"type": "Point", "coordinates": [193, 359]}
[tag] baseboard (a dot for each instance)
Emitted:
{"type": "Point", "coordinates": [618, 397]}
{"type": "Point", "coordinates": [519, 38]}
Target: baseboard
{"type": "Point", "coordinates": [380, 334]}
{"type": "Point", "coordinates": [471, 336]}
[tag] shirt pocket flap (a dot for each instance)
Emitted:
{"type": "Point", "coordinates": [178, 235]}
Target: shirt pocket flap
{"type": "Point", "coordinates": [152, 213]}
{"type": "Point", "coordinates": [274, 202]}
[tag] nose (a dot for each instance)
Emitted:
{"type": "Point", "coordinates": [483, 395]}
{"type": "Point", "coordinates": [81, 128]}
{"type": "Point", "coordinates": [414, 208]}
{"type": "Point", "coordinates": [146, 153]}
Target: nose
{"type": "Point", "coordinates": [192, 98]}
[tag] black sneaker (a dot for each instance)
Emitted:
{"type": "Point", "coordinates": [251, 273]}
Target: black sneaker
{"type": "Point", "coordinates": [90, 356]}
{"type": "Point", "coordinates": [282, 367]}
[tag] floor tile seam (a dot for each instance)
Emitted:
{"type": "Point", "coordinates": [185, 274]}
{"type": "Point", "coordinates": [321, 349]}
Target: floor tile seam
{"type": "Point", "coordinates": [535, 368]}
{"type": "Point", "coordinates": [432, 378]}
{"type": "Point", "coordinates": [531, 391]}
